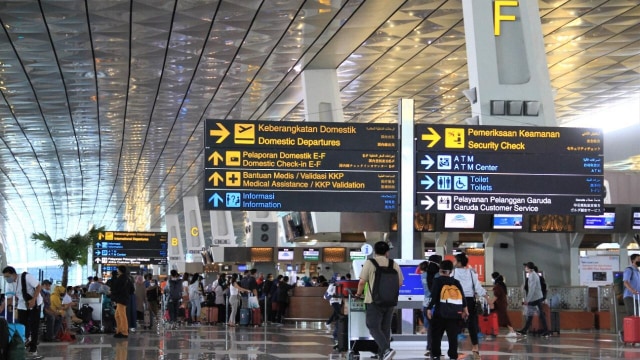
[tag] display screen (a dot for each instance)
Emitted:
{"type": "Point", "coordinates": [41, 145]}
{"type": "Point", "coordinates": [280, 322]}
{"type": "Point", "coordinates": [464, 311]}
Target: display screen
{"type": "Point", "coordinates": [285, 254]}
{"type": "Point", "coordinates": [242, 267]}
{"type": "Point", "coordinates": [412, 284]}
{"type": "Point", "coordinates": [635, 220]}
{"type": "Point", "coordinates": [311, 255]}
{"type": "Point", "coordinates": [507, 221]}
{"type": "Point", "coordinates": [605, 221]}
{"type": "Point", "coordinates": [459, 221]}
{"type": "Point", "coordinates": [357, 255]}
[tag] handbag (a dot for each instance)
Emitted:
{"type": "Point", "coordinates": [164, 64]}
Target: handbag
{"type": "Point", "coordinates": [479, 304]}
{"type": "Point", "coordinates": [253, 302]}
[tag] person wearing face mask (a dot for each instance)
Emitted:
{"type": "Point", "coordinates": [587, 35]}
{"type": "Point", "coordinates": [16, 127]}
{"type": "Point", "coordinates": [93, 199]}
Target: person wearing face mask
{"type": "Point", "coordinates": [500, 303]}
{"type": "Point", "coordinates": [51, 320]}
{"type": "Point", "coordinates": [631, 283]}
{"type": "Point", "coordinates": [29, 301]}
{"type": "Point", "coordinates": [534, 297]}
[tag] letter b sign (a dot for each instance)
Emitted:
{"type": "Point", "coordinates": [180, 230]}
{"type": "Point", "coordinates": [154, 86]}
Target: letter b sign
{"type": "Point", "coordinates": [265, 234]}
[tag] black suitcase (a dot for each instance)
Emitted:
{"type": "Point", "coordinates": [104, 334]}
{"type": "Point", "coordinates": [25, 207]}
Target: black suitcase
{"type": "Point", "coordinates": [342, 323]}
{"type": "Point", "coordinates": [356, 345]}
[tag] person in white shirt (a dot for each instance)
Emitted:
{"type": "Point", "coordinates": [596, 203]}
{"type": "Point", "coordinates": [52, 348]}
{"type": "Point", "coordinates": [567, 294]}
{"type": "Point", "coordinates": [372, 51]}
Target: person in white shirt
{"type": "Point", "coordinates": [19, 285]}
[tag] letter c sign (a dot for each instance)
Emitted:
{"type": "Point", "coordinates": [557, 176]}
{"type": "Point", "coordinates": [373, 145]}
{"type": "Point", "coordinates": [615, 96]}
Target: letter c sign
{"type": "Point", "coordinates": [194, 231]}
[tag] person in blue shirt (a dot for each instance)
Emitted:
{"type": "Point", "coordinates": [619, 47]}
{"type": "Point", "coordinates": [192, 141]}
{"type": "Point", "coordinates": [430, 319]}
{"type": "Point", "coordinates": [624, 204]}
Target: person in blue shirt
{"type": "Point", "coordinates": [631, 282]}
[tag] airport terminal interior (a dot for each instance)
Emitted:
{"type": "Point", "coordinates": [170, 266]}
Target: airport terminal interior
{"type": "Point", "coordinates": [114, 115]}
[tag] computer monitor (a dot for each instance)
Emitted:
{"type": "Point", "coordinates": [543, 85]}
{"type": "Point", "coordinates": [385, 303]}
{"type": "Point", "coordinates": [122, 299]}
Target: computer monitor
{"type": "Point", "coordinates": [459, 221]}
{"type": "Point", "coordinates": [507, 221]}
{"type": "Point", "coordinates": [411, 289]}
{"type": "Point", "coordinates": [635, 218]}
{"type": "Point", "coordinates": [605, 221]}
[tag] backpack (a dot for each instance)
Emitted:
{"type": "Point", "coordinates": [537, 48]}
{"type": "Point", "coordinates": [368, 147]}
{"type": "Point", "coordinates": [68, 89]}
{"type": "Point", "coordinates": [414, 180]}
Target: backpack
{"type": "Point", "coordinates": [386, 286]}
{"type": "Point", "coordinates": [175, 289]}
{"type": "Point", "coordinates": [451, 302]}
{"type": "Point", "coordinates": [543, 286]}
{"type": "Point", "coordinates": [85, 313]}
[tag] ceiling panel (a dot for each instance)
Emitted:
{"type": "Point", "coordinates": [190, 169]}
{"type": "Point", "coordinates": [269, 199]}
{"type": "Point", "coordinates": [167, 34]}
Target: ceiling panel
{"type": "Point", "coordinates": [102, 103]}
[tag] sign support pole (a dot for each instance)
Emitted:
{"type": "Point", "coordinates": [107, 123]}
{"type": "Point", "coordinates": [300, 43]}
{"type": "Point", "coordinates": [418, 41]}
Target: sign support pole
{"type": "Point", "coordinates": [407, 176]}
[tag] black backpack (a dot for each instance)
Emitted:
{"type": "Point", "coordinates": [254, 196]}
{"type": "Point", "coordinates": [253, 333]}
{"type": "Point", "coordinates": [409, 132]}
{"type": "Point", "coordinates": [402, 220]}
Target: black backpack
{"type": "Point", "coordinates": [175, 289]}
{"type": "Point", "coordinates": [543, 286]}
{"type": "Point", "coordinates": [386, 286]}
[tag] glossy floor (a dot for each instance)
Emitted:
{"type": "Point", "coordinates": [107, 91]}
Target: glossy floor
{"type": "Point", "coordinates": [310, 341]}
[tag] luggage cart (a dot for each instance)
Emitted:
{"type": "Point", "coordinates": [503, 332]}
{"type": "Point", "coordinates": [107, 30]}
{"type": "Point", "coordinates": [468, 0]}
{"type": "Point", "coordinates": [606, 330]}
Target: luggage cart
{"type": "Point", "coordinates": [358, 336]}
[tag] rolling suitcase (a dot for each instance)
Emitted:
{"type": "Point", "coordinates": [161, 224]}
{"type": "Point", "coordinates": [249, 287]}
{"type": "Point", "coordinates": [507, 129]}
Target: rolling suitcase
{"type": "Point", "coordinates": [210, 315]}
{"type": "Point", "coordinates": [245, 316]}
{"type": "Point", "coordinates": [488, 324]}
{"type": "Point", "coordinates": [256, 317]}
{"type": "Point", "coordinates": [146, 319]}
{"type": "Point", "coordinates": [15, 345]}
{"type": "Point", "coordinates": [631, 324]}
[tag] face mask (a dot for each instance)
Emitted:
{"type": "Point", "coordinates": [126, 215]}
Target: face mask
{"type": "Point", "coordinates": [10, 279]}
{"type": "Point", "coordinates": [152, 284]}
{"type": "Point", "coordinates": [72, 292]}
{"type": "Point", "coordinates": [47, 291]}
{"type": "Point", "coordinates": [638, 263]}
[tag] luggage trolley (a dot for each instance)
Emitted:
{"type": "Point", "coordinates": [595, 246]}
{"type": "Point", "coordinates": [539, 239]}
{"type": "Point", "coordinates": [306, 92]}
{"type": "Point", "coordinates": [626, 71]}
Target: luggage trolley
{"type": "Point", "coordinates": [358, 336]}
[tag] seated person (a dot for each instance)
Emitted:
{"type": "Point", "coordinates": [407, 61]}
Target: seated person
{"type": "Point", "coordinates": [61, 305]}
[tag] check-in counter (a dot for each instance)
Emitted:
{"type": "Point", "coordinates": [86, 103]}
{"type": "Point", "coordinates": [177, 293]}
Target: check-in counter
{"type": "Point", "coordinates": [308, 304]}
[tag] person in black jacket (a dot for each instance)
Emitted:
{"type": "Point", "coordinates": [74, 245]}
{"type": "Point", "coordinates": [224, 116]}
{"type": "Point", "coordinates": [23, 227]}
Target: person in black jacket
{"type": "Point", "coordinates": [440, 324]}
{"type": "Point", "coordinates": [121, 290]}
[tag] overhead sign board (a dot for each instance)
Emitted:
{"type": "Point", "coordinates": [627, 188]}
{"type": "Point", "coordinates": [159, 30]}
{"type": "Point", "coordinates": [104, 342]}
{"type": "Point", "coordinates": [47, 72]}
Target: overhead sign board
{"type": "Point", "coordinates": [500, 169]}
{"type": "Point", "coordinates": [130, 248]}
{"type": "Point", "coordinates": [285, 166]}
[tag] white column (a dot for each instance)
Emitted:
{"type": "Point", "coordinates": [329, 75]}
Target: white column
{"type": "Point", "coordinates": [407, 176]}
{"type": "Point", "coordinates": [322, 96]}
{"type": "Point", "coordinates": [193, 228]}
{"type": "Point", "coordinates": [175, 248]}
{"type": "Point", "coordinates": [222, 233]}
{"type": "Point", "coordinates": [511, 65]}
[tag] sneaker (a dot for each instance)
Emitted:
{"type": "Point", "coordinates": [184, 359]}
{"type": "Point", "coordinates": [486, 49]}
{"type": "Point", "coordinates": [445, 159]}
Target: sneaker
{"type": "Point", "coordinates": [621, 336]}
{"type": "Point", "coordinates": [388, 354]}
{"type": "Point", "coordinates": [512, 334]}
{"type": "Point", "coordinates": [521, 333]}
{"type": "Point", "coordinates": [32, 355]}
{"type": "Point", "coordinates": [427, 354]}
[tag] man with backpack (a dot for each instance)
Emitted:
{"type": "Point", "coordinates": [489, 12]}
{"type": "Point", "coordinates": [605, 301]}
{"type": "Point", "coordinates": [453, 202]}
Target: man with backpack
{"type": "Point", "coordinates": [173, 291]}
{"type": "Point", "coordinates": [25, 289]}
{"type": "Point", "coordinates": [383, 278]}
{"type": "Point", "coordinates": [447, 307]}
{"type": "Point", "coordinates": [534, 298]}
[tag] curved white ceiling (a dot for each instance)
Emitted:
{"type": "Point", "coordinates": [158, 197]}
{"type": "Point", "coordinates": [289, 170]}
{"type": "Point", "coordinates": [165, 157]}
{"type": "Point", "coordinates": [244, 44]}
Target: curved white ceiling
{"type": "Point", "coordinates": [102, 102]}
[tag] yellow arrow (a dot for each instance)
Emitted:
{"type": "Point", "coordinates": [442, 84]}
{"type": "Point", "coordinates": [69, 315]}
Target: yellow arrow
{"type": "Point", "coordinates": [215, 177]}
{"type": "Point", "coordinates": [215, 157]}
{"type": "Point", "coordinates": [433, 137]}
{"type": "Point", "coordinates": [222, 132]}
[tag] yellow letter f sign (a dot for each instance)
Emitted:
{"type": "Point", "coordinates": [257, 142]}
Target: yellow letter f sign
{"type": "Point", "coordinates": [497, 14]}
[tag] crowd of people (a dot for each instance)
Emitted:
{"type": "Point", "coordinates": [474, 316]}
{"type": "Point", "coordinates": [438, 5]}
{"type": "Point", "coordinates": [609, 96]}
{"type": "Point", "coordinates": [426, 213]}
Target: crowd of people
{"type": "Point", "coordinates": [184, 295]}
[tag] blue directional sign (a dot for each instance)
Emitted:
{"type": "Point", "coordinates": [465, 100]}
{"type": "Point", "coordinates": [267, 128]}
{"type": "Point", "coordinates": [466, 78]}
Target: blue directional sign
{"type": "Point", "coordinates": [130, 248]}
{"type": "Point", "coordinates": [501, 169]}
{"type": "Point", "coordinates": [285, 166]}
